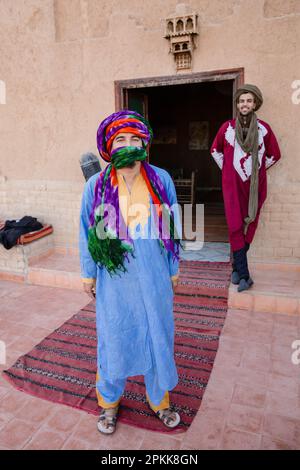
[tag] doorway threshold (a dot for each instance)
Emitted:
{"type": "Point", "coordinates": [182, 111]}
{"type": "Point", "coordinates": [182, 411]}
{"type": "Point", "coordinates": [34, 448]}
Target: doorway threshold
{"type": "Point", "coordinates": [207, 251]}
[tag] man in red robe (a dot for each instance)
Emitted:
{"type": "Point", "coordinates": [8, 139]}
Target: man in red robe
{"type": "Point", "coordinates": [244, 148]}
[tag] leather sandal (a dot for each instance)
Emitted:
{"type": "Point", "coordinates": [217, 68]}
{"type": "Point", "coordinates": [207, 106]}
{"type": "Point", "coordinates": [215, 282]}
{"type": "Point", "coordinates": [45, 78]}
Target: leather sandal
{"type": "Point", "coordinates": [107, 420]}
{"type": "Point", "coordinates": [169, 418]}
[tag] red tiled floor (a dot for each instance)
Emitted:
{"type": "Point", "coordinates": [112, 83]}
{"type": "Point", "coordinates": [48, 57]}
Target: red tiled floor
{"type": "Point", "coordinates": [229, 344]}
{"type": "Point", "coordinates": [249, 396]}
{"type": "Point", "coordinates": [253, 359]}
{"type": "Point", "coordinates": [286, 319]}
{"type": "Point", "coordinates": [284, 367]}
{"type": "Point", "coordinates": [23, 343]}
{"type": "Point", "coordinates": [206, 431]}
{"type": "Point", "coordinates": [217, 394]}
{"type": "Point", "coordinates": [36, 411]}
{"type": "Point", "coordinates": [251, 401]}
{"type": "Point", "coordinates": [259, 350]}
{"type": "Point", "coordinates": [269, 443]}
{"type": "Point", "coordinates": [282, 428]}
{"type": "Point", "coordinates": [13, 401]}
{"type": "Point", "coordinates": [235, 330]}
{"type": "Point", "coordinates": [281, 351]}
{"type": "Point", "coordinates": [245, 418]}
{"type": "Point", "coordinates": [11, 357]}
{"type": "Point", "coordinates": [5, 417]}
{"type": "Point", "coordinates": [64, 421]}
{"type": "Point", "coordinates": [77, 444]}
{"type": "Point", "coordinates": [261, 316]}
{"type": "Point", "coordinates": [283, 404]}
{"type": "Point", "coordinates": [38, 333]}
{"type": "Point", "coordinates": [286, 332]}
{"type": "Point", "coordinates": [126, 438]}
{"type": "Point", "coordinates": [159, 442]}
{"type": "Point", "coordinates": [86, 430]}
{"type": "Point", "coordinates": [251, 376]}
{"type": "Point", "coordinates": [259, 335]}
{"type": "Point", "coordinates": [275, 290]}
{"type": "Point", "coordinates": [16, 433]}
{"type": "Point", "coordinates": [46, 439]}
{"type": "Point", "coordinates": [282, 384]}
{"type": "Point", "coordinates": [239, 440]}
{"type": "Point", "coordinates": [54, 262]}
{"type": "Point", "coordinates": [3, 391]}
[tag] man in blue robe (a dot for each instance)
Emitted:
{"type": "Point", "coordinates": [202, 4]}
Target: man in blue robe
{"type": "Point", "coordinates": [130, 264]}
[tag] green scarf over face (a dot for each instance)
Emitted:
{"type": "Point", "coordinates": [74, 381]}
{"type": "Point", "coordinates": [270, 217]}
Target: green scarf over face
{"type": "Point", "coordinates": [250, 145]}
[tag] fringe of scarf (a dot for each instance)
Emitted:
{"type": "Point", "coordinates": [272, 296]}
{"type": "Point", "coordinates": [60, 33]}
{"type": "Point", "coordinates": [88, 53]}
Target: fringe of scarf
{"type": "Point", "coordinates": [250, 145]}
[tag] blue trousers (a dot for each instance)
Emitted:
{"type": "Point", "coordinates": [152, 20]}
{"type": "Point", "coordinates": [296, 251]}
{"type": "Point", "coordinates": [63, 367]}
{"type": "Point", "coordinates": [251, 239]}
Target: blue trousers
{"type": "Point", "coordinates": [109, 392]}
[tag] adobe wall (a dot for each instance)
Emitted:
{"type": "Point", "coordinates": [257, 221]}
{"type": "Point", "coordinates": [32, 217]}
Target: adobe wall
{"type": "Point", "coordinates": [59, 61]}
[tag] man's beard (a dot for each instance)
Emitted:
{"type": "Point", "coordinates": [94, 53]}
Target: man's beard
{"type": "Point", "coordinates": [245, 113]}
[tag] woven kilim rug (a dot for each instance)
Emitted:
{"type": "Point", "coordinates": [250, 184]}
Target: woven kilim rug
{"type": "Point", "coordinates": [62, 367]}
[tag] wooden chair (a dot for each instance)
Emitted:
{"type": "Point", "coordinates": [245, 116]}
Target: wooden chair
{"type": "Point", "coordinates": [185, 189]}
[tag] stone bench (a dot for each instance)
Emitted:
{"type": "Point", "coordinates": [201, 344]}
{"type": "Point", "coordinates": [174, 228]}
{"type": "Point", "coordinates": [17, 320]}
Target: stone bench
{"type": "Point", "coordinates": [14, 263]}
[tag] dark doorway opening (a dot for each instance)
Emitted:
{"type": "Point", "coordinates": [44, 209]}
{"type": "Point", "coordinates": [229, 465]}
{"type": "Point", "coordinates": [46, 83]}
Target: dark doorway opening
{"type": "Point", "coordinates": [185, 116]}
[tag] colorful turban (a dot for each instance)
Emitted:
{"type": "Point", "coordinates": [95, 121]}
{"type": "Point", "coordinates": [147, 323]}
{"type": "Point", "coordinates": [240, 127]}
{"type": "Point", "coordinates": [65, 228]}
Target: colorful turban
{"type": "Point", "coordinates": [247, 88]}
{"type": "Point", "coordinates": [121, 121]}
{"type": "Point", "coordinates": [111, 244]}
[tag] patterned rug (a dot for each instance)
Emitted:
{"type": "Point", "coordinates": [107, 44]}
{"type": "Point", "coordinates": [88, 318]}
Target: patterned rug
{"type": "Point", "coordinates": [62, 367]}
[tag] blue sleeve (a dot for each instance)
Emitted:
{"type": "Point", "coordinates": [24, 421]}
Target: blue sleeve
{"type": "Point", "coordinates": [88, 266]}
{"type": "Point", "coordinates": [171, 192]}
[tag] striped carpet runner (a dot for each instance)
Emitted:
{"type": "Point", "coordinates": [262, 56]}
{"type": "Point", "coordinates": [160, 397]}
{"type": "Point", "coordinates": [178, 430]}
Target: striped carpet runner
{"type": "Point", "coordinates": [62, 367]}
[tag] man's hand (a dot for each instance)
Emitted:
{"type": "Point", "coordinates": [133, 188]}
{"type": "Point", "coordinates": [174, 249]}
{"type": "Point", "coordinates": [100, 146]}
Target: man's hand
{"type": "Point", "coordinates": [90, 288]}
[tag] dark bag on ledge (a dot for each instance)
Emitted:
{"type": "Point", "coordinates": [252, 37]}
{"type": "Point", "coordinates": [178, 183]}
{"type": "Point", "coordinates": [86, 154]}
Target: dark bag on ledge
{"type": "Point", "coordinates": [13, 229]}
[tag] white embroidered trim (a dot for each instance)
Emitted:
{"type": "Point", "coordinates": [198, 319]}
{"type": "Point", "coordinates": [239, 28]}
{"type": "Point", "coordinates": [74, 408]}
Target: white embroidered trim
{"type": "Point", "coordinates": [218, 157]}
{"type": "Point", "coordinates": [230, 135]}
{"type": "Point", "coordinates": [269, 161]}
{"type": "Point", "coordinates": [262, 131]}
{"type": "Point", "coordinates": [242, 161]}
{"type": "Point", "coordinates": [239, 154]}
